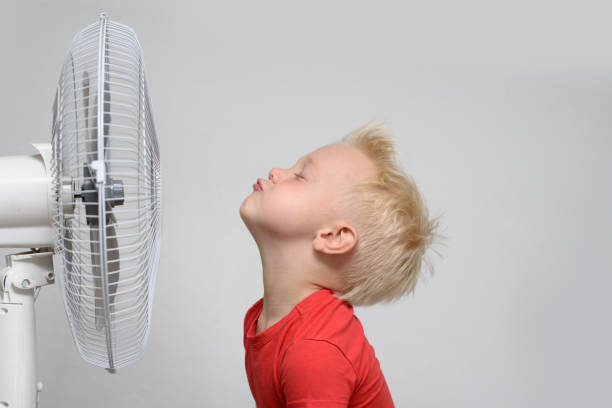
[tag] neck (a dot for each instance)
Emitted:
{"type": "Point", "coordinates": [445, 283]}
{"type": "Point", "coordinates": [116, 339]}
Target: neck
{"type": "Point", "coordinates": [289, 276]}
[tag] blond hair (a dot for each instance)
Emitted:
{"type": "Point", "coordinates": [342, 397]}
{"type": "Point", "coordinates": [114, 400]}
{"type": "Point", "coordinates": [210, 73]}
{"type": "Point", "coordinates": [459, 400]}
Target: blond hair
{"type": "Point", "coordinates": [392, 221]}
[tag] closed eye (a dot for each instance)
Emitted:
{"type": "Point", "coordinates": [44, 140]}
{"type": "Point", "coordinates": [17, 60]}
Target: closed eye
{"type": "Point", "coordinates": [299, 176]}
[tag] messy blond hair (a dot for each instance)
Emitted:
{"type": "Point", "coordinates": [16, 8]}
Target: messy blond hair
{"type": "Point", "coordinates": [392, 221]}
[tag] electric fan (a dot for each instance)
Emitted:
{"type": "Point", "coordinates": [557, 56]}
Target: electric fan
{"type": "Point", "coordinates": [89, 208]}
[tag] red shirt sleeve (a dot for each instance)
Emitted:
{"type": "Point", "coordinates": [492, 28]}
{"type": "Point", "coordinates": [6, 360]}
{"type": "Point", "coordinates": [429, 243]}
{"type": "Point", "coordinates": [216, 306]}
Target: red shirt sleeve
{"type": "Point", "coordinates": [316, 373]}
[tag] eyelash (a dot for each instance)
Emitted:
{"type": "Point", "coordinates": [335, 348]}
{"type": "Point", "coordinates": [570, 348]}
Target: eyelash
{"type": "Point", "coordinates": [299, 176]}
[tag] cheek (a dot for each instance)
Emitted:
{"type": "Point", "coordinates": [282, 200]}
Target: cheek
{"type": "Point", "coordinates": [287, 212]}
{"type": "Point", "coordinates": [287, 202]}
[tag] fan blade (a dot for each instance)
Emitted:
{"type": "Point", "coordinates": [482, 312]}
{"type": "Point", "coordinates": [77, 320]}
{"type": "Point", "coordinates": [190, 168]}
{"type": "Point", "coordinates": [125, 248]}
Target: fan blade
{"type": "Point", "coordinates": [112, 251]}
{"type": "Point", "coordinates": [67, 240]}
{"type": "Point", "coordinates": [95, 262]}
{"type": "Point", "coordinates": [113, 266]}
{"type": "Point", "coordinates": [74, 280]}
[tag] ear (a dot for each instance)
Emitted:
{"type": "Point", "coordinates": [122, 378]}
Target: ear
{"type": "Point", "coordinates": [338, 239]}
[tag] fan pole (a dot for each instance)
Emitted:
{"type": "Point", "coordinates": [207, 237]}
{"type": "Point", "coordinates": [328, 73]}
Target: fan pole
{"type": "Point", "coordinates": [24, 274]}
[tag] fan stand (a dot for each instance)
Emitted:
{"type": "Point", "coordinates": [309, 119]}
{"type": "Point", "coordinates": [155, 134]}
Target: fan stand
{"type": "Point", "coordinates": [24, 274]}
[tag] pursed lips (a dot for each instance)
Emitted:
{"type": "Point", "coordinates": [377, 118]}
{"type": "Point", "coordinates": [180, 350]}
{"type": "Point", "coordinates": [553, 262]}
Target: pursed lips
{"type": "Point", "coordinates": [259, 185]}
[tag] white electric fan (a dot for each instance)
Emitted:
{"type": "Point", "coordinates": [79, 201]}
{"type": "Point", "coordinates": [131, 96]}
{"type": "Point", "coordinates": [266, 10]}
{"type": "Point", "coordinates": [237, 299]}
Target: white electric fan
{"type": "Point", "coordinates": [89, 204]}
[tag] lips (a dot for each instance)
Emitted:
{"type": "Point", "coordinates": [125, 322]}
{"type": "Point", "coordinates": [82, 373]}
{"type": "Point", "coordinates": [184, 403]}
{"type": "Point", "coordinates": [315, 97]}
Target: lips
{"type": "Point", "coordinates": [258, 186]}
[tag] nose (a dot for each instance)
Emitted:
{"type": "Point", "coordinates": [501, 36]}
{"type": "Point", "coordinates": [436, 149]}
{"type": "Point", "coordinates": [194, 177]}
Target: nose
{"type": "Point", "coordinates": [275, 175]}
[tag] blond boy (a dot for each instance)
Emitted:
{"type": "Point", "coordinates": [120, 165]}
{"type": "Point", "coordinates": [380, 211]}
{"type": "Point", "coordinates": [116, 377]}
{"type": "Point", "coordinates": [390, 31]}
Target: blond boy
{"type": "Point", "coordinates": [344, 226]}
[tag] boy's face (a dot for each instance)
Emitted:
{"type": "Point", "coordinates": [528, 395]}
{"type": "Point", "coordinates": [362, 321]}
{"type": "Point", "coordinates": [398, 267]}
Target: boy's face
{"type": "Point", "coordinates": [295, 202]}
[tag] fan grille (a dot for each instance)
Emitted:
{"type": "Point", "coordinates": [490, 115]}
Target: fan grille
{"type": "Point", "coordinates": [108, 227]}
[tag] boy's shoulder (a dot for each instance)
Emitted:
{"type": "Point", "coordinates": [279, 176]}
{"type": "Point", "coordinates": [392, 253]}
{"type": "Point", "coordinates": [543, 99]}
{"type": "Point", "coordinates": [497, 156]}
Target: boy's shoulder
{"type": "Point", "coordinates": [320, 316]}
{"type": "Point", "coordinates": [331, 320]}
{"type": "Point", "coordinates": [330, 340]}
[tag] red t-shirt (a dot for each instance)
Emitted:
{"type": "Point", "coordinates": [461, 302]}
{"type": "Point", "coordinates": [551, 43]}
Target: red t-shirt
{"type": "Point", "coordinates": [316, 356]}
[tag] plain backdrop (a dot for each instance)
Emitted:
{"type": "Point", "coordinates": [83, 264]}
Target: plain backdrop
{"type": "Point", "coordinates": [499, 110]}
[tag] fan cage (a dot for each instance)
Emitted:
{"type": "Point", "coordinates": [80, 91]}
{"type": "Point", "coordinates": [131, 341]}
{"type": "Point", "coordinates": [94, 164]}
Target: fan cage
{"type": "Point", "coordinates": [109, 265]}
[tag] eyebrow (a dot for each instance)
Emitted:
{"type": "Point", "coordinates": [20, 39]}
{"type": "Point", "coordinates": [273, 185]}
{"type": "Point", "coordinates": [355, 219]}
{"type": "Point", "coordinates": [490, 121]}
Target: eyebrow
{"type": "Point", "coordinates": [308, 160]}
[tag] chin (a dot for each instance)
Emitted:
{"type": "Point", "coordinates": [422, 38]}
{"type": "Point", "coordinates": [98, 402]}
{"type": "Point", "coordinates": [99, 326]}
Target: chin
{"type": "Point", "coordinates": [248, 215]}
{"type": "Point", "coordinates": [243, 211]}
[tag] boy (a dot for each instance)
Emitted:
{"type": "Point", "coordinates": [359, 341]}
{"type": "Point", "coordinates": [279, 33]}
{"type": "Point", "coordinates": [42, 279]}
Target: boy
{"type": "Point", "coordinates": [344, 226]}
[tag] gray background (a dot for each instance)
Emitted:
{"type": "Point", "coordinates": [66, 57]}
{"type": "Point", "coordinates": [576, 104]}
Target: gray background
{"type": "Point", "coordinates": [501, 112]}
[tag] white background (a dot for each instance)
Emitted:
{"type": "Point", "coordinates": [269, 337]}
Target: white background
{"type": "Point", "coordinates": [500, 111]}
